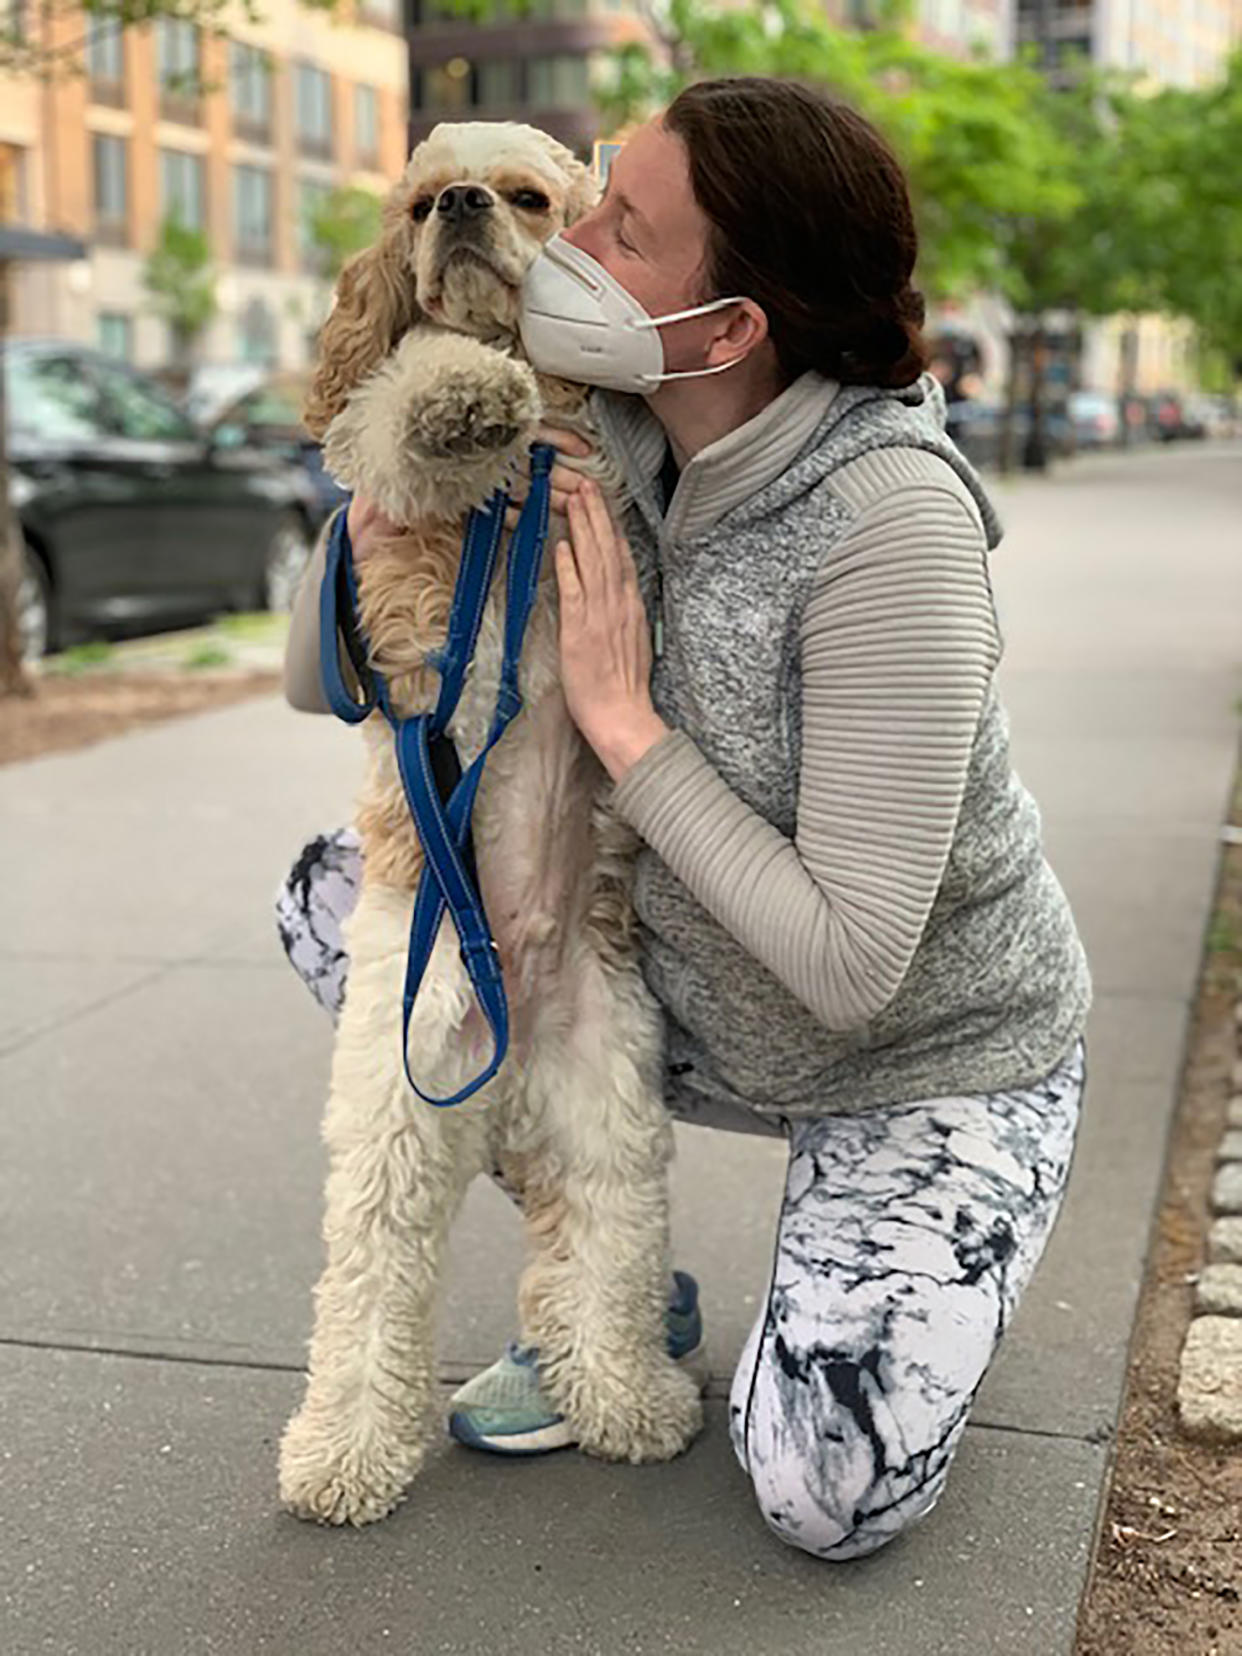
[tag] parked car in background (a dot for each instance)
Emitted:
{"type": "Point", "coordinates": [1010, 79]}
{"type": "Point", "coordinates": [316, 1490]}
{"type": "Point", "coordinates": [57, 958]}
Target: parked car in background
{"type": "Point", "coordinates": [1095, 419]}
{"type": "Point", "coordinates": [1169, 420]}
{"type": "Point", "coordinates": [131, 517]}
{"type": "Point", "coordinates": [977, 426]}
{"type": "Point", "coordinates": [1214, 414]}
{"type": "Point", "coordinates": [267, 416]}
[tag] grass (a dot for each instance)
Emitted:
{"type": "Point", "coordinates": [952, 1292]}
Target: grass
{"type": "Point", "coordinates": [207, 654]}
{"type": "Point", "coordinates": [82, 657]}
{"type": "Point", "coordinates": [260, 624]}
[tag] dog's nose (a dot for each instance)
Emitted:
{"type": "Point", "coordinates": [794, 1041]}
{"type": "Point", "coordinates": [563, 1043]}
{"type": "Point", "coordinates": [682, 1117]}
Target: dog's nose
{"type": "Point", "coordinates": [463, 201]}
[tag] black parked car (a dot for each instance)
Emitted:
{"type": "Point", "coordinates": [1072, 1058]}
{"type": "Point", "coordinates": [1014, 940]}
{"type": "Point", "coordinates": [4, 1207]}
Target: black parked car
{"type": "Point", "coordinates": [269, 417]}
{"type": "Point", "coordinates": [131, 517]}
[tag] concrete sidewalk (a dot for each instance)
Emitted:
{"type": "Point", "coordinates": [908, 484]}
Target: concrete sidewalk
{"type": "Point", "coordinates": [161, 1077]}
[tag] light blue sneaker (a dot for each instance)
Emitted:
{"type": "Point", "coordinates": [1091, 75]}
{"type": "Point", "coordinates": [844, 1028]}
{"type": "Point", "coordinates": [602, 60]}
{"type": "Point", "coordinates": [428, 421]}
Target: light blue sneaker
{"type": "Point", "coordinates": [504, 1410]}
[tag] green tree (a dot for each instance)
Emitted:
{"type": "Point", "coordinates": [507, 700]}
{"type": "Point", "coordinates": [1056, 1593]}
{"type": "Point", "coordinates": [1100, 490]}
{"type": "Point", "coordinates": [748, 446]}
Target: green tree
{"type": "Point", "coordinates": [179, 276]}
{"type": "Point", "coordinates": [1181, 166]}
{"type": "Point", "coordinates": [970, 133]}
{"type": "Point", "coordinates": [346, 220]}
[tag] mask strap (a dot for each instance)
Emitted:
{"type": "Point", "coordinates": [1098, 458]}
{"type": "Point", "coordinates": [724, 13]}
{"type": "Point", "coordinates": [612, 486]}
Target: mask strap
{"type": "Point", "coordinates": [693, 373]}
{"type": "Point", "coordinates": [685, 315]}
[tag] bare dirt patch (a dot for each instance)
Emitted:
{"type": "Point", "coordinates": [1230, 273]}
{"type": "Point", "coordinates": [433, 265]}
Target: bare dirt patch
{"type": "Point", "coordinates": [74, 711]}
{"type": "Point", "coordinates": [1167, 1576]}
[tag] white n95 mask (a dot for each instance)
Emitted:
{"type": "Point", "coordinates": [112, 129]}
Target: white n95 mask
{"type": "Point", "coordinates": [579, 323]}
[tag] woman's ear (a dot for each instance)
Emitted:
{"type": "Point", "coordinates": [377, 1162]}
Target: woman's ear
{"type": "Point", "coordinates": [374, 308]}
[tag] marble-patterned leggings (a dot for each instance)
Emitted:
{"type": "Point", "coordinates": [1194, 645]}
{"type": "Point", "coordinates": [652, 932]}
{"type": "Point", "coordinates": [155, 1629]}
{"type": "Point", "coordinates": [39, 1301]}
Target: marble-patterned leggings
{"type": "Point", "coordinates": [906, 1237]}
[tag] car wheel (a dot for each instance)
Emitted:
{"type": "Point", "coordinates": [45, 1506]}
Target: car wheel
{"type": "Point", "coordinates": [284, 564]}
{"type": "Point", "coordinates": [36, 616]}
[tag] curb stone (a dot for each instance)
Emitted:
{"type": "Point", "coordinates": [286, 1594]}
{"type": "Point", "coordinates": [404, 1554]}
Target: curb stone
{"type": "Point", "coordinates": [1219, 1291]}
{"type": "Point", "coordinates": [1209, 1393]}
{"type": "Point", "coordinates": [1225, 1242]}
{"type": "Point", "coordinates": [1209, 1389]}
{"type": "Point", "coordinates": [1227, 1188]}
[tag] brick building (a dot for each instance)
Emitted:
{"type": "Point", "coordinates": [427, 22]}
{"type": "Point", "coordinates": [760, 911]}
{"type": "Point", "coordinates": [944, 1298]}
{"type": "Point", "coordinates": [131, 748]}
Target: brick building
{"type": "Point", "coordinates": [238, 135]}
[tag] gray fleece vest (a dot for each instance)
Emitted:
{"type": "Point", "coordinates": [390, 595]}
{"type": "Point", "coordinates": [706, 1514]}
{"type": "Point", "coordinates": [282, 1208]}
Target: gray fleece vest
{"type": "Point", "coordinates": [998, 989]}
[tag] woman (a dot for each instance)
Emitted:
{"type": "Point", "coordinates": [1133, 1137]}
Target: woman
{"type": "Point", "coordinates": [845, 910]}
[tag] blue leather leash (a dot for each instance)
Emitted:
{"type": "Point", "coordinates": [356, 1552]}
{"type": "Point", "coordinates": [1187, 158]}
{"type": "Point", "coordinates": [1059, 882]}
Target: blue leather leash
{"type": "Point", "coordinates": [440, 795]}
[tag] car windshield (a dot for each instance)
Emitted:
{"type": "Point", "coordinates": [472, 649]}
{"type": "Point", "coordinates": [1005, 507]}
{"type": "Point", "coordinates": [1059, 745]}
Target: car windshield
{"type": "Point", "coordinates": [276, 405]}
{"type": "Point", "coordinates": [49, 398]}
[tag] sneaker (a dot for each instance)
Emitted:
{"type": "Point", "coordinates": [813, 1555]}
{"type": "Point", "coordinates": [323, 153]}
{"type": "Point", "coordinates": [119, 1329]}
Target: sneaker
{"type": "Point", "coordinates": [504, 1410]}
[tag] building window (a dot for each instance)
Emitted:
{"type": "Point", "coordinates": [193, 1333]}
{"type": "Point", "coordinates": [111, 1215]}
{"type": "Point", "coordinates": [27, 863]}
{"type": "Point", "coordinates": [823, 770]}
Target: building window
{"type": "Point", "coordinates": [252, 215]}
{"type": "Point", "coordinates": [382, 14]}
{"type": "Point", "coordinates": [500, 84]}
{"type": "Point", "coordinates": [311, 198]}
{"type": "Point", "coordinates": [313, 110]}
{"type": "Point", "coordinates": [183, 189]}
{"type": "Point", "coordinates": [257, 337]}
{"type": "Point", "coordinates": [250, 76]}
{"type": "Point", "coordinates": [446, 88]}
{"type": "Point", "coordinates": [177, 62]}
{"type": "Point", "coordinates": [111, 194]}
{"type": "Point", "coordinates": [116, 335]}
{"type": "Point", "coordinates": [105, 61]}
{"type": "Point", "coordinates": [366, 126]}
{"type": "Point", "coordinates": [559, 82]}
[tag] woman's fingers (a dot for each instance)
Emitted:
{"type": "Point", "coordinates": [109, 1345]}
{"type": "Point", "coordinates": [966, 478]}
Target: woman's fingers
{"type": "Point", "coordinates": [568, 442]}
{"type": "Point", "coordinates": [367, 524]}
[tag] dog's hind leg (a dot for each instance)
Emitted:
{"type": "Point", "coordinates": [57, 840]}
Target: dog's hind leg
{"type": "Point", "coordinates": [398, 1169]}
{"type": "Point", "coordinates": [595, 1194]}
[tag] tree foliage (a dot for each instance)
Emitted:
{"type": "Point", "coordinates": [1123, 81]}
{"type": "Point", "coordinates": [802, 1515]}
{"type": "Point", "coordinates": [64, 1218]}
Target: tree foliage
{"type": "Point", "coordinates": [345, 221]}
{"type": "Point", "coordinates": [968, 131]}
{"type": "Point", "coordinates": [181, 281]}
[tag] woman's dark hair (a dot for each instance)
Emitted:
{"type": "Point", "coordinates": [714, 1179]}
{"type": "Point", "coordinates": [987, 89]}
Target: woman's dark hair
{"type": "Point", "coordinates": [811, 219]}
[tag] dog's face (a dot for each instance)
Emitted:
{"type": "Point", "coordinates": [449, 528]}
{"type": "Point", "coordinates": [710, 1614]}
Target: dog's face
{"type": "Point", "coordinates": [477, 202]}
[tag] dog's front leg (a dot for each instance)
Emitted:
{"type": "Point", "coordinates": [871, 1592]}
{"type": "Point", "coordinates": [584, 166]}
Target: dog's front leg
{"type": "Point", "coordinates": [595, 1195]}
{"type": "Point", "coordinates": [436, 427]}
{"type": "Point", "coordinates": [398, 1169]}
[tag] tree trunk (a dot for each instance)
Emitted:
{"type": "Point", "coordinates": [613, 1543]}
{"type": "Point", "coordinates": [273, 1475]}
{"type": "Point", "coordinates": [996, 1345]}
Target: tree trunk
{"type": "Point", "coordinates": [1005, 444]}
{"type": "Point", "coordinates": [1035, 449]}
{"type": "Point", "coordinates": [1127, 366]}
{"type": "Point", "coordinates": [14, 679]}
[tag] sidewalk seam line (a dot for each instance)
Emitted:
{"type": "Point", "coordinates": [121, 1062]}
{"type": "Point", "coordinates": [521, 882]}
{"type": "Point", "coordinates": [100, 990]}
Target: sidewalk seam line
{"type": "Point", "coordinates": [456, 1375]}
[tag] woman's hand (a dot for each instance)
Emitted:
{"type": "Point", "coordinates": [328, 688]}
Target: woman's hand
{"type": "Point", "coordinates": [565, 481]}
{"type": "Point", "coordinates": [367, 526]}
{"type": "Point", "coordinates": [605, 640]}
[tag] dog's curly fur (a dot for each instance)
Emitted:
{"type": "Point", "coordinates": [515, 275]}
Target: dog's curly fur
{"type": "Point", "coordinates": [424, 403]}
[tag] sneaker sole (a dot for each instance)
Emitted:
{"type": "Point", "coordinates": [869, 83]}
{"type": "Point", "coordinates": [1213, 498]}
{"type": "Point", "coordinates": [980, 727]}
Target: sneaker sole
{"type": "Point", "coordinates": [558, 1434]}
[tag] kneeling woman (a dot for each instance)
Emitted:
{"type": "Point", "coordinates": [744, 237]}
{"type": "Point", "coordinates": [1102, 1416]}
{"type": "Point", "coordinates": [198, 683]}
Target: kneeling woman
{"type": "Point", "coordinates": [845, 909]}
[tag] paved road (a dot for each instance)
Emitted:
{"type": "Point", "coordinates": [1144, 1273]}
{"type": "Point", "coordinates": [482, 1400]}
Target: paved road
{"type": "Point", "coordinates": [161, 1076]}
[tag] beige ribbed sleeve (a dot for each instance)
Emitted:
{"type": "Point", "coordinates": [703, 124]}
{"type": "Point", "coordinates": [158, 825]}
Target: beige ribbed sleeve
{"type": "Point", "coordinates": [898, 645]}
{"type": "Point", "coordinates": [303, 682]}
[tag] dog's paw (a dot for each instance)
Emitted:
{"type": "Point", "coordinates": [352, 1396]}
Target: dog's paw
{"type": "Point", "coordinates": [328, 1479]}
{"type": "Point", "coordinates": [465, 414]}
{"type": "Point", "coordinates": [653, 1418]}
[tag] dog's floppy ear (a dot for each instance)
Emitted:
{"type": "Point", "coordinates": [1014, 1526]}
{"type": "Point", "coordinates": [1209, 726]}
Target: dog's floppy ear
{"type": "Point", "coordinates": [374, 308]}
{"type": "Point", "coordinates": [583, 190]}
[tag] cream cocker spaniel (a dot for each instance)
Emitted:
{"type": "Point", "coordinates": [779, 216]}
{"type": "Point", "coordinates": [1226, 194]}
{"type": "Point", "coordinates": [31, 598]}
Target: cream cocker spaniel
{"type": "Point", "coordinates": [425, 405]}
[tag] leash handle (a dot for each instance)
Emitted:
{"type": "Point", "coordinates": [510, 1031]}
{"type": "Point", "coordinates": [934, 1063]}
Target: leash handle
{"type": "Point", "coordinates": [448, 824]}
{"type": "Point", "coordinates": [338, 600]}
{"type": "Point", "coordinates": [448, 880]}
